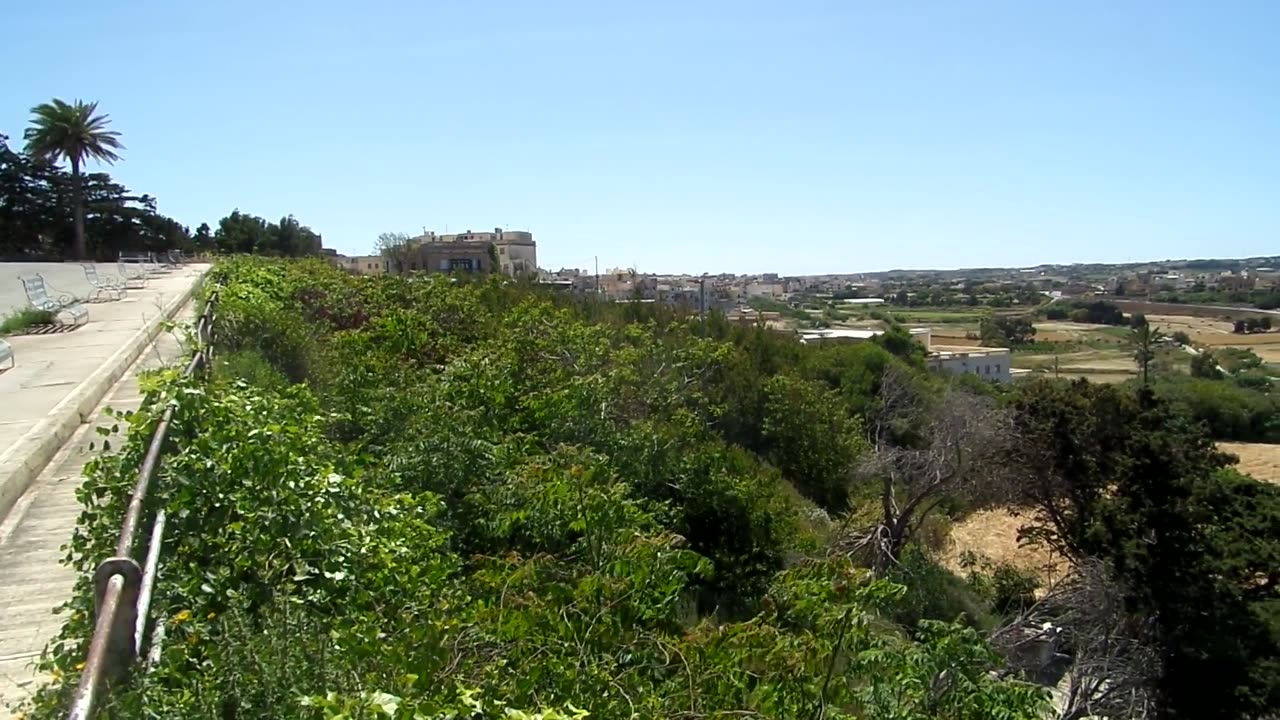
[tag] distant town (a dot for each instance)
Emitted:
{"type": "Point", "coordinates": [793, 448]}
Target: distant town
{"type": "Point", "coordinates": [851, 308]}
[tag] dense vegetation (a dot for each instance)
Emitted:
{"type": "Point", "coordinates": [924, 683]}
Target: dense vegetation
{"type": "Point", "coordinates": [965, 293]}
{"type": "Point", "coordinates": [1097, 312]}
{"type": "Point", "coordinates": [1263, 299]}
{"type": "Point", "coordinates": [438, 497]}
{"type": "Point", "coordinates": [1247, 326]}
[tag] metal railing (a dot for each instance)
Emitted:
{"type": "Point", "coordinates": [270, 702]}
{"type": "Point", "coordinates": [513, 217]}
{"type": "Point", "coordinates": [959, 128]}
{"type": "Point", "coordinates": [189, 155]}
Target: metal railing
{"type": "Point", "coordinates": [122, 587]}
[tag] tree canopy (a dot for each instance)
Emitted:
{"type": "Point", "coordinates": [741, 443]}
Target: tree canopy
{"type": "Point", "coordinates": [37, 219]}
{"type": "Point", "coordinates": [74, 132]}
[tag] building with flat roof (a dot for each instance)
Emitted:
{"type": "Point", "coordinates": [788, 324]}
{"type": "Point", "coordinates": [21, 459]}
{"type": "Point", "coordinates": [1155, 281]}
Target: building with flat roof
{"type": "Point", "coordinates": [511, 252]}
{"type": "Point", "coordinates": [986, 363]}
{"type": "Point", "coordinates": [850, 336]}
{"type": "Point", "coordinates": [362, 264]}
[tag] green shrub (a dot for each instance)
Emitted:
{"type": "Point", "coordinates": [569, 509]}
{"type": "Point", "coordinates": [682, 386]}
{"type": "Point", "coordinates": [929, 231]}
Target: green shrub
{"type": "Point", "coordinates": [20, 320]}
{"type": "Point", "coordinates": [934, 593]}
{"type": "Point", "coordinates": [1008, 588]}
{"type": "Point", "coordinates": [250, 366]}
{"type": "Point", "coordinates": [1230, 412]}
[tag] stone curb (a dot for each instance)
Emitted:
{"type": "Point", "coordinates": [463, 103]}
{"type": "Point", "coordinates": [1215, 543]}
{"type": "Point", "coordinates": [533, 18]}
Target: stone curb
{"type": "Point", "coordinates": [22, 463]}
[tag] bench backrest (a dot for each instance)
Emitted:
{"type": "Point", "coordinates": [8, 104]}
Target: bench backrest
{"type": "Point", "coordinates": [37, 293]}
{"type": "Point", "coordinates": [91, 274]}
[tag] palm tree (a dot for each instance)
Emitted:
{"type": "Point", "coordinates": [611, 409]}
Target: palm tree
{"type": "Point", "coordinates": [74, 132]}
{"type": "Point", "coordinates": [1146, 338]}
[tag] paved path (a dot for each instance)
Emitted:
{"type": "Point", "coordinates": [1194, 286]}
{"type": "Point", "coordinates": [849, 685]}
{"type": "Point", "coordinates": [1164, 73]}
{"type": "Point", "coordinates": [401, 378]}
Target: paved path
{"type": "Point", "coordinates": [63, 277]}
{"type": "Point", "coordinates": [40, 522]}
{"type": "Point", "coordinates": [50, 367]}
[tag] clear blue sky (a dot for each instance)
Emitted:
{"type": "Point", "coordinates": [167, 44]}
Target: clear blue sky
{"type": "Point", "coordinates": [796, 137]}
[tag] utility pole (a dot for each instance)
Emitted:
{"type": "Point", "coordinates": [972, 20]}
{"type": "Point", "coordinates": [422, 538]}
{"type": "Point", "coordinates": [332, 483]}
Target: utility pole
{"type": "Point", "coordinates": [597, 257]}
{"type": "Point", "coordinates": [702, 302]}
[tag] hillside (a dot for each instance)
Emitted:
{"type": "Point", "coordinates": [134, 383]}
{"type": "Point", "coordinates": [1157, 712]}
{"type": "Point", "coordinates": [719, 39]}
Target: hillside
{"type": "Point", "coordinates": [439, 497]}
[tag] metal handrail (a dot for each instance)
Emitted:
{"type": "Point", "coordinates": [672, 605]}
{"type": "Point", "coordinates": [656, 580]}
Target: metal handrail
{"type": "Point", "coordinates": [122, 588]}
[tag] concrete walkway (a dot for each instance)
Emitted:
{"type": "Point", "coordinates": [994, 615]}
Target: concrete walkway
{"type": "Point", "coordinates": [59, 378]}
{"type": "Point", "coordinates": [41, 521]}
{"type": "Point", "coordinates": [50, 402]}
{"type": "Point", "coordinates": [63, 277]}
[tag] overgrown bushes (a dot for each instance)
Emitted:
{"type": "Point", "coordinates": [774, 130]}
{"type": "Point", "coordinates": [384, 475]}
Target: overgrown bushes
{"type": "Point", "coordinates": [1230, 412]}
{"type": "Point", "coordinates": [415, 498]}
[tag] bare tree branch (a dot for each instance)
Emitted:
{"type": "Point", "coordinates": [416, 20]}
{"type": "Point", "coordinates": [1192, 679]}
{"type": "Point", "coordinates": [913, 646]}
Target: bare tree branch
{"type": "Point", "coordinates": [1113, 659]}
{"type": "Point", "coordinates": [925, 453]}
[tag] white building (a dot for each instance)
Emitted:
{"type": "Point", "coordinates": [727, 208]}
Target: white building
{"type": "Point", "coordinates": [986, 363]}
{"type": "Point", "coordinates": [850, 336]}
{"type": "Point", "coordinates": [362, 264]}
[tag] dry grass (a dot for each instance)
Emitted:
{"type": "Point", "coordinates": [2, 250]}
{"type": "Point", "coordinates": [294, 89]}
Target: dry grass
{"type": "Point", "coordinates": [994, 534]}
{"type": "Point", "coordinates": [1217, 333]}
{"type": "Point", "coordinates": [1256, 459]}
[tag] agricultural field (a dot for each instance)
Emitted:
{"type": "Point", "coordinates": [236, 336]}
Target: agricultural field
{"type": "Point", "coordinates": [993, 534]}
{"type": "Point", "coordinates": [1260, 460]}
{"type": "Point", "coordinates": [1099, 353]}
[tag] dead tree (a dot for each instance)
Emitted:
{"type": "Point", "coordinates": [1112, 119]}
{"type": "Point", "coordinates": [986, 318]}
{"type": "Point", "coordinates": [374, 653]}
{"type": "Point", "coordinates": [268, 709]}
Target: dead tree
{"type": "Point", "coordinates": [926, 453]}
{"type": "Point", "coordinates": [1081, 624]}
{"type": "Point", "coordinates": [397, 248]}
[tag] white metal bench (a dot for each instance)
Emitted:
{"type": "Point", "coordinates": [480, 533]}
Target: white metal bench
{"type": "Point", "coordinates": [6, 353]}
{"type": "Point", "coordinates": [132, 278]}
{"type": "Point", "coordinates": [66, 304]}
{"type": "Point", "coordinates": [145, 262]}
{"type": "Point", "coordinates": [103, 286]}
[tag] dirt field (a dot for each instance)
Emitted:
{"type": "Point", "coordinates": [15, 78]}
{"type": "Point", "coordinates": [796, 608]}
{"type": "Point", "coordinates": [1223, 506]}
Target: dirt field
{"type": "Point", "coordinates": [994, 534]}
{"type": "Point", "coordinates": [1217, 333]}
{"type": "Point", "coordinates": [1256, 459]}
{"type": "Point", "coordinates": [1209, 331]}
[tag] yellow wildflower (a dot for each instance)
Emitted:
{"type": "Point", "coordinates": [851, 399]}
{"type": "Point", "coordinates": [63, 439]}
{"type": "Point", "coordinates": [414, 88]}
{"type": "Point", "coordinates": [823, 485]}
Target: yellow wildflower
{"type": "Point", "coordinates": [182, 617]}
{"type": "Point", "coordinates": [79, 666]}
{"type": "Point", "coordinates": [213, 615]}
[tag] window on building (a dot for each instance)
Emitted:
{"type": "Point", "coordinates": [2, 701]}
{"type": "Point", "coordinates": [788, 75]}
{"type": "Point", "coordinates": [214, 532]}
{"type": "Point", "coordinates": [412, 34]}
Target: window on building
{"type": "Point", "coordinates": [413, 266]}
{"type": "Point", "coordinates": [460, 264]}
{"type": "Point", "coordinates": [997, 368]}
{"type": "Point", "coordinates": [986, 370]}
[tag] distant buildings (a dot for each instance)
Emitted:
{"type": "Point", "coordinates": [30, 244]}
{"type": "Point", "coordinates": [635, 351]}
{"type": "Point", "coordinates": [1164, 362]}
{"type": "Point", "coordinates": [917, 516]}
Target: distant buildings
{"type": "Point", "coordinates": [986, 363]}
{"type": "Point", "coordinates": [361, 264]}
{"type": "Point", "coordinates": [1146, 282]}
{"type": "Point", "coordinates": [510, 252]}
